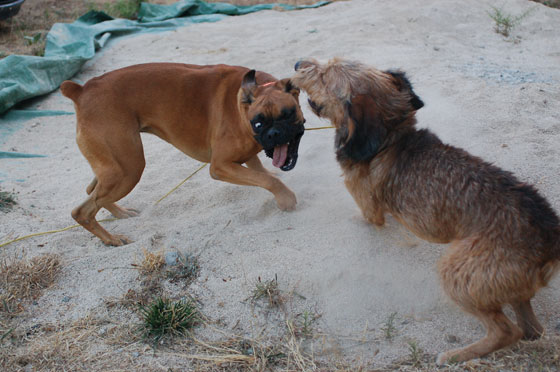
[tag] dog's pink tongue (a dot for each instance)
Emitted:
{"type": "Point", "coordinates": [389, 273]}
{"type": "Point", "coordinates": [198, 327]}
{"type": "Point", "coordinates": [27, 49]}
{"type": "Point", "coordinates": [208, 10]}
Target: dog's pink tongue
{"type": "Point", "coordinates": [280, 155]}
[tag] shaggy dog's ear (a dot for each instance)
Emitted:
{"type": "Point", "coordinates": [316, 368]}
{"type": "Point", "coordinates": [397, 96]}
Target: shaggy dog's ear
{"type": "Point", "coordinates": [248, 87]}
{"type": "Point", "coordinates": [365, 132]}
{"type": "Point", "coordinates": [288, 87]}
{"type": "Point", "coordinates": [403, 84]}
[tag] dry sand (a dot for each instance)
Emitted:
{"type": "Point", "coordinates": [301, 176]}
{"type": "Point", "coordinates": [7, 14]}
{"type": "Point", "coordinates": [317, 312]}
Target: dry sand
{"type": "Point", "coordinates": [497, 97]}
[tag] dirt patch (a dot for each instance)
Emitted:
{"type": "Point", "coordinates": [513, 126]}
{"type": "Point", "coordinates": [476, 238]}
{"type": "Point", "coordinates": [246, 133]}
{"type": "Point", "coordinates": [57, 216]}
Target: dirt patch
{"type": "Point", "coordinates": [550, 3]}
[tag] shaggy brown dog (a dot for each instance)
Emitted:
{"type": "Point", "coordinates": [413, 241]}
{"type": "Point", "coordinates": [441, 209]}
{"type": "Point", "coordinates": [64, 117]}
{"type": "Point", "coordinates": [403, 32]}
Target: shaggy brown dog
{"type": "Point", "coordinates": [219, 114]}
{"type": "Point", "coordinates": [505, 238]}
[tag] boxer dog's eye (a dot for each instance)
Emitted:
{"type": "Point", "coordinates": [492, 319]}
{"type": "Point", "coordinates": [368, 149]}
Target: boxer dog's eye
{"type": "Point", "coordinates": [257, 125]}
{"type": "Point", "coordinates": [288, 115]}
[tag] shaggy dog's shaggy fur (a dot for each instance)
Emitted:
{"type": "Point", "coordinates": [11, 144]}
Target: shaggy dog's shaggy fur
{"type": "Point", "coordinates": [505, 238]}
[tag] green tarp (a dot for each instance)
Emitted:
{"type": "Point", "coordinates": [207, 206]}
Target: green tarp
{"type": "Point", "coordinates": [186, 8]}
{"type": "Point", "coordinates": [13, 121]}
{"type": "Point", "coordinates": [69, 46]}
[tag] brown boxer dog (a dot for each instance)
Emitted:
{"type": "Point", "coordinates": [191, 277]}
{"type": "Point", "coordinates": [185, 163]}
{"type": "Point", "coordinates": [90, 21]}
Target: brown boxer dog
{"type": "Point", "coordinates": [219, 114]}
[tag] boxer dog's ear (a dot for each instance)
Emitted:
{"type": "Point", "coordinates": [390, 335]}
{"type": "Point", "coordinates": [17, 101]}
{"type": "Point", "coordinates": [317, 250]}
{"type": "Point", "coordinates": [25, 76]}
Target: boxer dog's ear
{"type": "Point", "coordinates": [248, 87]}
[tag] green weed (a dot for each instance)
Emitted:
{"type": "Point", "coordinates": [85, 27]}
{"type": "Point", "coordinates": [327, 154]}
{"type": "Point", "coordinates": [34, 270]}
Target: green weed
{"type": "Point", "coordinates": [389, 328]}
{"type": "Point", "coordinates": [505, 22]}
{"type": "Point", "coordinates": [33, 39]}
{"type": "Point", "coordinates": [268, 290]}
{"type": "Point", "coordinates": [415, 353]}
{"type": "Point", "coordinates": [303, 323]}
{"type": "Point", "coordinates": [164, 317]}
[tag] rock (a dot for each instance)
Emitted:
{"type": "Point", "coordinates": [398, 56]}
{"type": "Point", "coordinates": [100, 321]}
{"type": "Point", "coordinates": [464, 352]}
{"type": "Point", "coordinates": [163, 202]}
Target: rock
{"type": "Point", "coordinates": [452, 339]}
{"type": "Point", "coordinates": [171, 258]}
{"type": "Point", "coordinates": [65, 299]}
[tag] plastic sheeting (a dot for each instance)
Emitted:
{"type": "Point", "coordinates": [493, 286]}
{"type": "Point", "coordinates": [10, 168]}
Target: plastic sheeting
{"type": "Point", "coordinates": [188, 8]}
{"type": "Point", "coordinates": [13, 121]}
{"type": "Point", "coordinates": [69, 46]}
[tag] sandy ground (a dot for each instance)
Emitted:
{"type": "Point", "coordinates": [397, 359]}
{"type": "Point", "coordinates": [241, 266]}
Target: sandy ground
{"type": "Point", "coordinates": [497, 97]}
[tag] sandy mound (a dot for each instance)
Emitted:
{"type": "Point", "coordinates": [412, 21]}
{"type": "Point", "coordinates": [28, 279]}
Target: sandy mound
{"type": "Point", "coordinates": [497, 97]}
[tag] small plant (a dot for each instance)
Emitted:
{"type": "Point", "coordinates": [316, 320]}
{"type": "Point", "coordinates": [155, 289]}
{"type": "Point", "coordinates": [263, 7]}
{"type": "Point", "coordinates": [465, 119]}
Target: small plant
{"type": "Point", "coordinates": [7, 201]}
{"type": "Point", "coordinates": [33, 39]}
{"type": "Point", "coordinates": [123, 8]}
{"type": "Point", "coordinates": [306, 321]}
{"type": "Point", "coordinates": [415, 353]}
{"type": "Point", "coordinates": [165, 317]}
{"type": "Point", "coordinates": [186, 268]}
{"type": "Point", "coordinates": [303, 323]}
{"type": "Point", "coordinates": [38, 51]}
{"type": "Point", "coordinates": [269, 290]}
{"type": "Point", "coordinates": [389, 328]}
{"type": "Point", "coordinates": [47, 16]}
{"type": "Point", "coordinates": [37, 41]}
{"type": "Point", "coordinates": [506, 22]}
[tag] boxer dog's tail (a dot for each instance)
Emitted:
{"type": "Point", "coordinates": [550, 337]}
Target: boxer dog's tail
{"type": "Point", "coordinates": [71, 90]}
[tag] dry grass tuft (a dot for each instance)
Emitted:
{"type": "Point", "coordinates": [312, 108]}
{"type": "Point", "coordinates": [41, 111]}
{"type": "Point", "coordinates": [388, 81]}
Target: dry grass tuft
{"type": "Point", "coordinates": [152, 263]}
{"type": "Point", "coordinates": [150, 275]}
{"type": "Point", "coordinates": [133, 298]}
{"type": "Point", "coordinates": [93, 344]}
{"type": "Point", "coordinates": [122, 335]}
{"type": "Point", "coordinates": [23, 279]}
{"type": "Point", "coordinates": [57, 346]}
{"type": "Point", "coordinates": [542, 355]}
{"type": "Point", "coordinates": [247, 355]}
{"type": "Point", "coordinates": [75, 346]}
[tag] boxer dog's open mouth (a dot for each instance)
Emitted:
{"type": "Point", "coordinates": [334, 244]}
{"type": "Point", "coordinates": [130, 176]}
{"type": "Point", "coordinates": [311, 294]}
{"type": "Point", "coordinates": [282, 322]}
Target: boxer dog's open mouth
{"type": "Point", "coordinates": [285, 156]}
{"type": "Point", "coordinates": [280, 140]}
